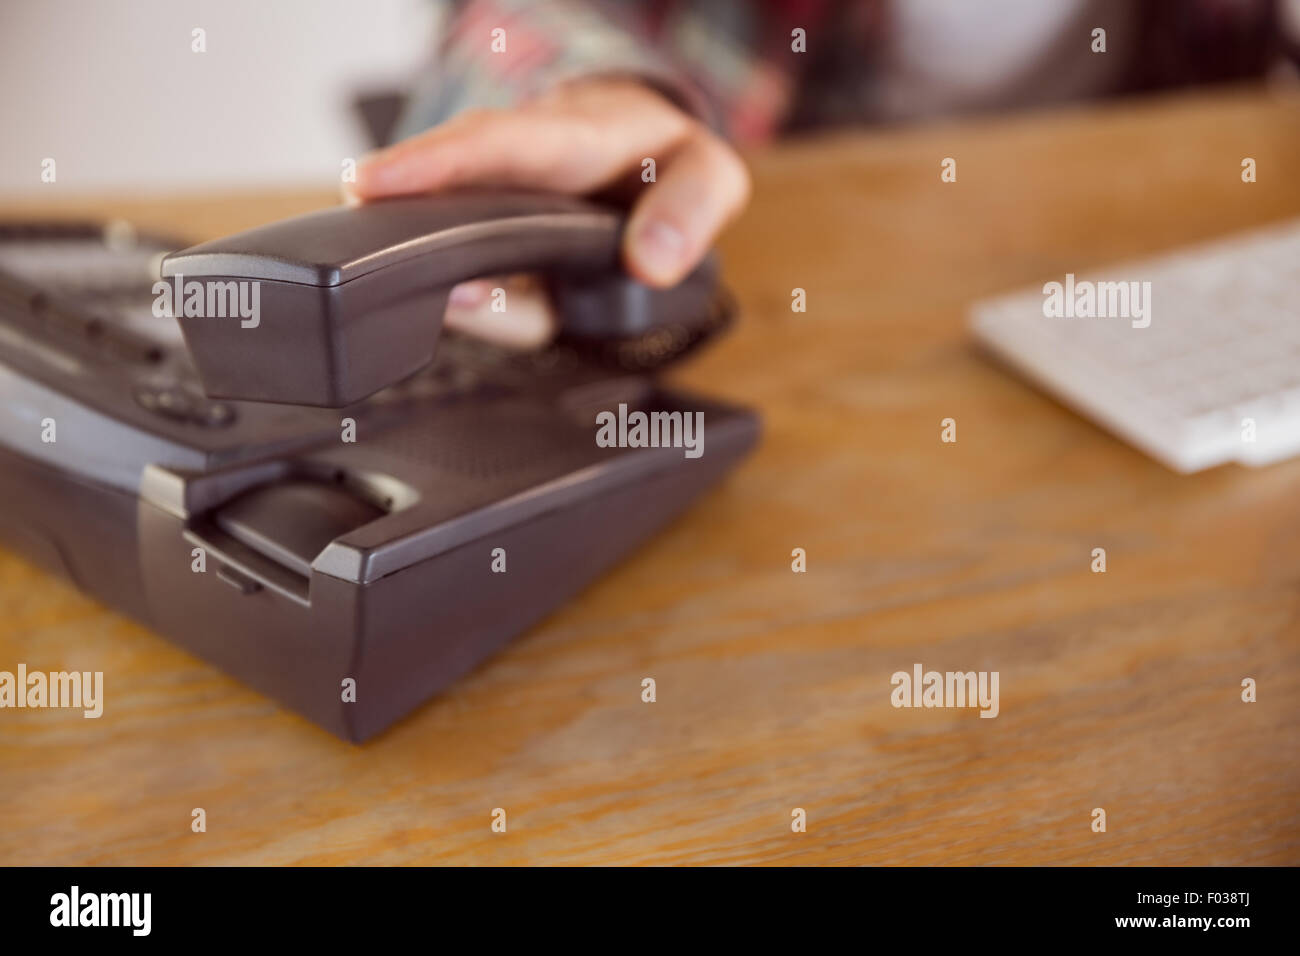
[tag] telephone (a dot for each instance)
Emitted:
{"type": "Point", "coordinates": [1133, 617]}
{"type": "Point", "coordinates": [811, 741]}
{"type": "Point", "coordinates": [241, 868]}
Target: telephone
{"type": "Point", "coordinates": [300, 478]}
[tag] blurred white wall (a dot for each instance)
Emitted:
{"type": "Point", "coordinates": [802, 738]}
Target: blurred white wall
{"type": "Point", "coordinates": [111, 90]}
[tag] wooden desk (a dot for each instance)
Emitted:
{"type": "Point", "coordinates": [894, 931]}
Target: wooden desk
{"type": "Point", "coordinates": [1118, 690]}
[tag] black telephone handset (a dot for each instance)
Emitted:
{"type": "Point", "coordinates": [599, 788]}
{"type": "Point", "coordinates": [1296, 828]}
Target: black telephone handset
{"type": "Point", "coordinates": [350, 300]}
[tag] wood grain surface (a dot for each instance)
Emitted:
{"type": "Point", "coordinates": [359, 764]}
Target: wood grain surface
{"type": "Point", "coordinates": [1118, 690]}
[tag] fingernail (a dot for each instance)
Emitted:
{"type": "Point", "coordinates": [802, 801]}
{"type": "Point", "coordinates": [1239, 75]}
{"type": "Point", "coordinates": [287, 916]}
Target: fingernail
{"type": "Point", "coordinates": [370, 158]}
{"type": "Point", "coordinates": [467, 295]}
{"type": "Point", "coordinates": [381, 172]}
{"type": "Point", "coordinates": [659, 249]}
{"type": "Point", "coordinates": [380, 176]}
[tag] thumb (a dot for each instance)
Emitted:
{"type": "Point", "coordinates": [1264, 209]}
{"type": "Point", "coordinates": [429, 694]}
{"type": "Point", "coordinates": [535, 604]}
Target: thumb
{"type": "Point", "coordinates": [672, 227]}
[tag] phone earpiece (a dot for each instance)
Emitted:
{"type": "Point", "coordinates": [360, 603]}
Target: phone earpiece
{"type": "Point", "coordinates": [624, 323]}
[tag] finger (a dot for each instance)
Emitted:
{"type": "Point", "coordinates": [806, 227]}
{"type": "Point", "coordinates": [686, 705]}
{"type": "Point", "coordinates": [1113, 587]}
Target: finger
{"type": "Point", "coordinates": [514, 312]}
{"type": "Point", "coordinates": [569, 148]}
{"type": "Point", "coordinates": [702, 187]}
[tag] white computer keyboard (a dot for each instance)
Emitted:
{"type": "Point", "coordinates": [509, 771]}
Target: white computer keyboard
{"type": "Point", "coordinates": [1215, 375]}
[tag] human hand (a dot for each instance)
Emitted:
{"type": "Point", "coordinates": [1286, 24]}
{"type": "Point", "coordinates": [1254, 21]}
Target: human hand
{"type": "Point", "coordinates": [583, 137]}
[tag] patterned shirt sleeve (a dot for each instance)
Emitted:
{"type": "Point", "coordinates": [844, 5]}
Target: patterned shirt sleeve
{"type": "Point", "coordinates": [495, 53]}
